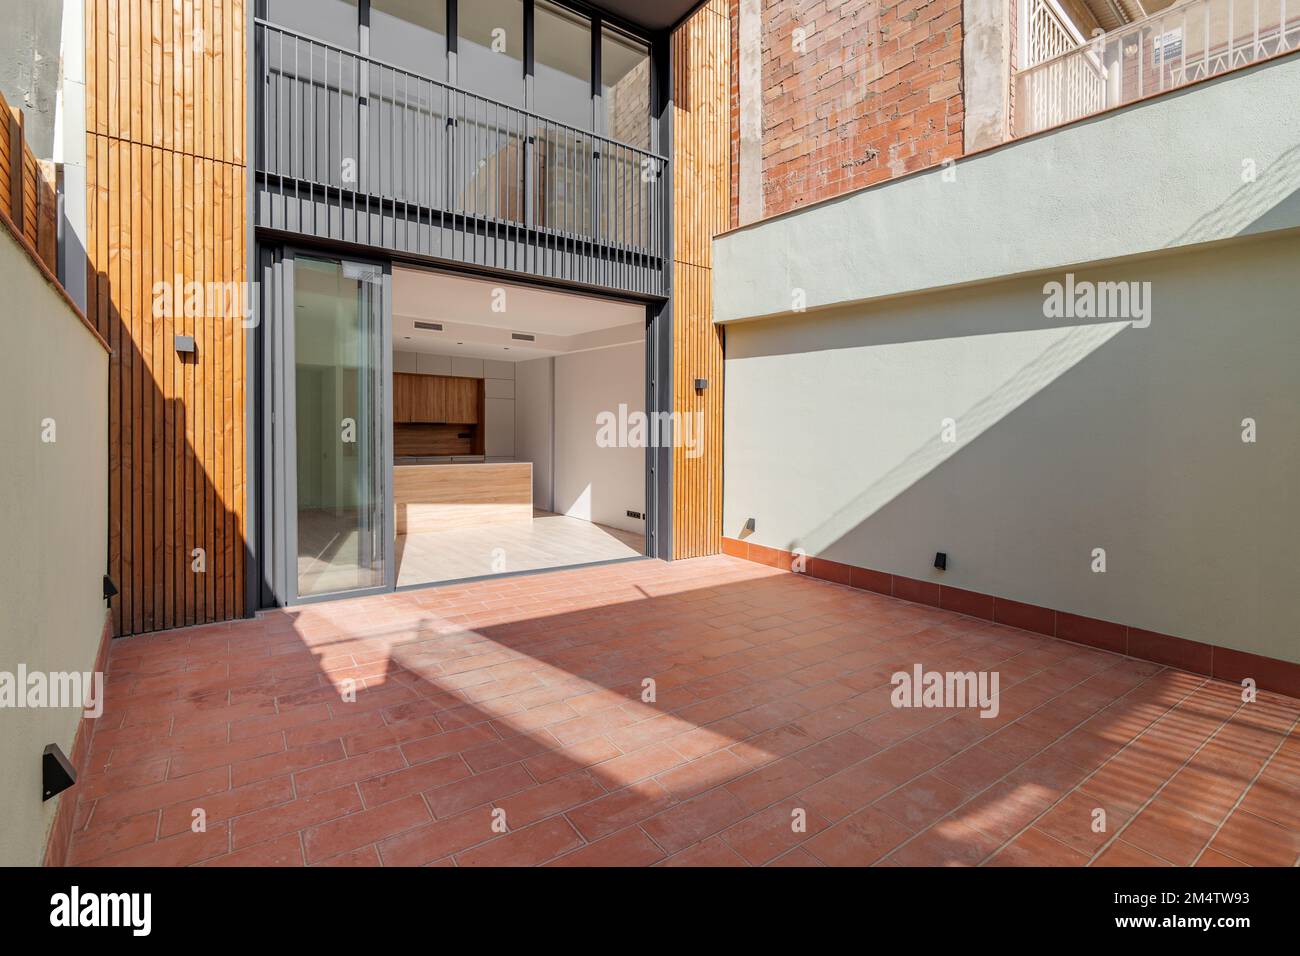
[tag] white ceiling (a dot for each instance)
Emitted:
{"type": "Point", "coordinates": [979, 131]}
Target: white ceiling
{"type": "Point", "coordinates": [561, 321]}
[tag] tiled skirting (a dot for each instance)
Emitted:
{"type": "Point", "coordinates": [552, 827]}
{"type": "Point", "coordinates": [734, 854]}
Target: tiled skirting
{"type": "Point", "coordinates": [1199, 658]}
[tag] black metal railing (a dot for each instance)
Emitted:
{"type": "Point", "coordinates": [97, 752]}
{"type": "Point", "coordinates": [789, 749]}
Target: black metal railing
{"type": "Point", "coordinates": [354, 148]}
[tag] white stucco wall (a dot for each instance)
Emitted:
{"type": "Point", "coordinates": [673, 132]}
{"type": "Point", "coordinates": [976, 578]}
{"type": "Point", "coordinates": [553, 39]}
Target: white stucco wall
{"type": "Point", "coordinates": [1167, 173]}
{"type": "Point", "coordinates": [1071, 435]}
{"type": "Point", "coordinates": [53, 509]}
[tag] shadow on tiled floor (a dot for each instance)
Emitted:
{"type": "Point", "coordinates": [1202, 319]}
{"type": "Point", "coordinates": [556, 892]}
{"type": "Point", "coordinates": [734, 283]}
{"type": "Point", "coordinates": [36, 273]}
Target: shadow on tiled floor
{"type": "Point", "coordinates": [771, 738]}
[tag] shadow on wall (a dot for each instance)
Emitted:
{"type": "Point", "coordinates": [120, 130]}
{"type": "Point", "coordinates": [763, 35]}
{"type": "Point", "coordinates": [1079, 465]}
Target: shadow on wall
{"type": "Point", "coordinates": [1268, 199]}
{"type": "Point", "coordinates": [176, 548]}
{"type": "Point", "coordinates": [1066, 436]}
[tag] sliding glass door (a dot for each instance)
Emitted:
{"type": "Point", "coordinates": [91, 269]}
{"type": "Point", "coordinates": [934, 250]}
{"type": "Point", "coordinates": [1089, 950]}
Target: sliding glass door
{"type": "Point", "coordinates": [328, 381]}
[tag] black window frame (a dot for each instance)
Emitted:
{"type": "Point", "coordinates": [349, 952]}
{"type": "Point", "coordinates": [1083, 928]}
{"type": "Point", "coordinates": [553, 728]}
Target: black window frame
{"type": "Point", "coordinates": [656, 42]}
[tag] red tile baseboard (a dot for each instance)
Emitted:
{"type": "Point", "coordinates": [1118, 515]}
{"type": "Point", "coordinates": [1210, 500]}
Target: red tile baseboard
{"type": "Point", "coordinates": [1198, 657]}
{"type": "Point", "coordinates": [60, 835]}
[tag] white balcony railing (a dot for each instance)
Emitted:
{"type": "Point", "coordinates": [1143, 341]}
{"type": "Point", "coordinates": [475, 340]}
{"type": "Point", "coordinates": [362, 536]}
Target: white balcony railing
{"type": "Point", "coordinates": [1180, 45]}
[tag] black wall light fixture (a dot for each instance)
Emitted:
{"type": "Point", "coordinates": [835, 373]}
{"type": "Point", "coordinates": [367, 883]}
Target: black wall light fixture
{"type": "Point", "coordinates": [749, 524]}
{"type": "Point", "coordinates": [941, 560]}
{"type": "Point", "coordinates": [109, 588]}
{"type": "Point", "coordinates": [701, 384]}
{"type": "Point", "coordinates": [57, 774]}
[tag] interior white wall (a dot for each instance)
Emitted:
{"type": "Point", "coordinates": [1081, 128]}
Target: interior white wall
{"type": "Point", "coordinates": [594, 483]}
{"type": "Point", "coordinates": [534, 397]}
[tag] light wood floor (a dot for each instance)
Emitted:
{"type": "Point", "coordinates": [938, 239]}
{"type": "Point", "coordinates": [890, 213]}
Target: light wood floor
{"type": "Point", "coordinates": [548, 541]}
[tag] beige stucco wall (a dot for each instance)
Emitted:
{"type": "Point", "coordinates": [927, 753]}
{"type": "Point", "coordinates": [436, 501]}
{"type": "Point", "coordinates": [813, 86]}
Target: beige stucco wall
{"type": "Point", "coordinates": [1071, 435]}
{"type": "Point", "coordinates": [53, 509]}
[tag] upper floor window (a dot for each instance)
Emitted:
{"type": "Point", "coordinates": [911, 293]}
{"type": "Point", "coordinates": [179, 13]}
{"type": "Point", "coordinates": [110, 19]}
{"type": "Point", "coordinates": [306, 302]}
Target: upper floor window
{"type": "Point", "coordinates": [562, 65]}
{"type": "Point", "coordinates": [625, 88]}
{"type": "Point", "coordinates": [492, 54]}
{"type": "Point", "coordinates": [490, 49]}
{"type": "Point", "coordinates": [334, 21]}
{"type": "Point", "coordinates": [411, 34]}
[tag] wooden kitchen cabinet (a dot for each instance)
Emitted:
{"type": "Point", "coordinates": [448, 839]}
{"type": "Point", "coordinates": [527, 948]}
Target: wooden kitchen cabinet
{"type": "Point", "coordinates": [404, 388]}
{"type": "Point", "coordinates": [435, 399]}
{"type": "Point", "coordinates": [462, 400]}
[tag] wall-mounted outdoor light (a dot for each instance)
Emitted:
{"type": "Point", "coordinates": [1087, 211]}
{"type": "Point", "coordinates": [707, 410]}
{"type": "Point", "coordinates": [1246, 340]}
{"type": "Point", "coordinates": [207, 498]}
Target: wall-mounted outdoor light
{"type": "Point", "coordinates": [749, 524]}
{"type": "Point", "coordinates": [701, 384]}
{"type": "Point", "coordinates": [941, 561]}
{"type": "Point", "coordinates": [184, 344]}
{"type": "Point", "coordinates": [57, 774]}
{"type": "Point", "coordinates": [109, 587]}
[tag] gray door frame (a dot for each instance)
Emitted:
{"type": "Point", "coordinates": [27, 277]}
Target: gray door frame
{"type": "Point", "coordinates": [279, 466]}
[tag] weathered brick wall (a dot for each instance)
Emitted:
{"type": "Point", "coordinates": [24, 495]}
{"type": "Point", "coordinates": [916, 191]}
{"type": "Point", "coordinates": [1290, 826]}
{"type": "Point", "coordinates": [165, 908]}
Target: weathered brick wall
{"type": "Point", "coordinates": [856, 92]}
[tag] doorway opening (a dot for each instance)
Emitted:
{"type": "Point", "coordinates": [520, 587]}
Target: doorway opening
{"type": "Point", "coordinates": [420, 427]}
{"type": "Point", "coordinates": [500, 464]}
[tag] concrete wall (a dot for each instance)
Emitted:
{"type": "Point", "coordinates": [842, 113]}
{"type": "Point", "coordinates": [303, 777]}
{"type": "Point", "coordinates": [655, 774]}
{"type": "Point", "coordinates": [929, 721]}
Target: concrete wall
{"type": "Point", "coordinates": [53, 509]}
{"type": "Point", "coordinates": [1071, 435]}
{"type": "Point", "coordinates": [31, 34]}
{"type": "Point", "coordinates": [594, 483]}
{"type": "Point", "coordinates": [1155, 176]}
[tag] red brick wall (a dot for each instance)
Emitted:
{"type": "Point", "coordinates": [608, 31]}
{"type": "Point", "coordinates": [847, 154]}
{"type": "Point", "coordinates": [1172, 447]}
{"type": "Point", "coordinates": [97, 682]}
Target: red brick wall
{"type": "Point", "coordinates": [875, 92]}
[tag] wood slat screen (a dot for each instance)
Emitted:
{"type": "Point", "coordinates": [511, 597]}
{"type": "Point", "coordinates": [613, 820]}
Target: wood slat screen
{"type": "Point", "coordinates": [701, 51]}
{"type": "Point", "coordinates": [165, 157]}
{"type": "Point", "coordinates": [27, 189]}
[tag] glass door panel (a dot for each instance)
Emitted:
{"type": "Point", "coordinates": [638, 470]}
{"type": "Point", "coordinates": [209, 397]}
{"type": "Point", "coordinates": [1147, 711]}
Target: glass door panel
{"type": "Point", "coordinates": [338, 426]}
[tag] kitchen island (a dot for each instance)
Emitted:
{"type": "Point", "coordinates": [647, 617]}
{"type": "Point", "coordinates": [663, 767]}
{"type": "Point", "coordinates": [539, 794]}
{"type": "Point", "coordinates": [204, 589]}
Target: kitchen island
{"type": "Point", "coordinates": [446, 495]}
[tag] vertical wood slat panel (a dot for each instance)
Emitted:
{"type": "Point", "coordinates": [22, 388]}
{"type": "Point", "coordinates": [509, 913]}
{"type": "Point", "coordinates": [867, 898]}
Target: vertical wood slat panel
{"type": "Point", "coordinates": [701, 49]}
{"type": "Point", "coordinates": [165, 193]}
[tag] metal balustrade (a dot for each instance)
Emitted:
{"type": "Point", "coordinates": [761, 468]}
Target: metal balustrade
{"type": "Point", "coordinates": [1182, 44]}
{"type": "Point", "coordinates": [358, 150]}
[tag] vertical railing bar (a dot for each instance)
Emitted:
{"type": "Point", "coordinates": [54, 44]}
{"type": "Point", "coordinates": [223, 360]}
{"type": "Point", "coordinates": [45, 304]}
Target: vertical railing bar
{"type": "Point", "coordinates": [293, 167]}
{"type": "Point", "coordinates": [342, 143]}
{"type": "Point", "coordinates": [1205, 44]}
{"type": "Point", "coordinates": [406, 166]}
{"type": "Point", "coordinates": [1182, 59]}
{"type": "Point", "coordinates": [457, 146]}
{"type": "Point", "coordinates": [1232, 37]}
{"type": "Point", "coordinates": [482, 205]}
{"type": "Point", "coordinates": [356, 160]}
{"type": "Point", "coordinates": [622, 220]}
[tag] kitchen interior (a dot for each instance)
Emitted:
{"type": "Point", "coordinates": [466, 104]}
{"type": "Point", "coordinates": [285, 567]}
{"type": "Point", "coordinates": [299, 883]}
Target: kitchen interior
{"type": "Point", "coordinates": [496, 389]}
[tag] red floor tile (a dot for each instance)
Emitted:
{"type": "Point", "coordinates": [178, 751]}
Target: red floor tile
{"type": "Point", "coordinates": [771, 741]}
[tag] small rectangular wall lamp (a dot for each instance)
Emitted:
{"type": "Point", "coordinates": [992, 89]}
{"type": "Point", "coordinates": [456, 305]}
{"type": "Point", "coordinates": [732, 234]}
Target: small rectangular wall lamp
{"type": "Point", "coordinates": [941, 561]}
{"type": "Point", "coordinates": [701, 384]}
{"type": "Point", "coordinates": [749, 524]}
{"type": "Point", "coordinates": [57, 774]}
{"type": "Point", "coordinates": [184, 344]}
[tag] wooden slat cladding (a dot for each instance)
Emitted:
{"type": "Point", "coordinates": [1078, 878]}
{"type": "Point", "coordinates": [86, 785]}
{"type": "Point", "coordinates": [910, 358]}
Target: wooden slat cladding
{"type": "Point", "coordinates": [701, 50]}
{"type": "Point", "coordinates": [27, 188]}
{"type": "Point", "coordinates": [166, 203]}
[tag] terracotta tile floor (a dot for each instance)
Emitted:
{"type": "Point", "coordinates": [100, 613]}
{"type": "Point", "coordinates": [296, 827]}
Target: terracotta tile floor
{"type": "Point", "coordinates": [520, 700]}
